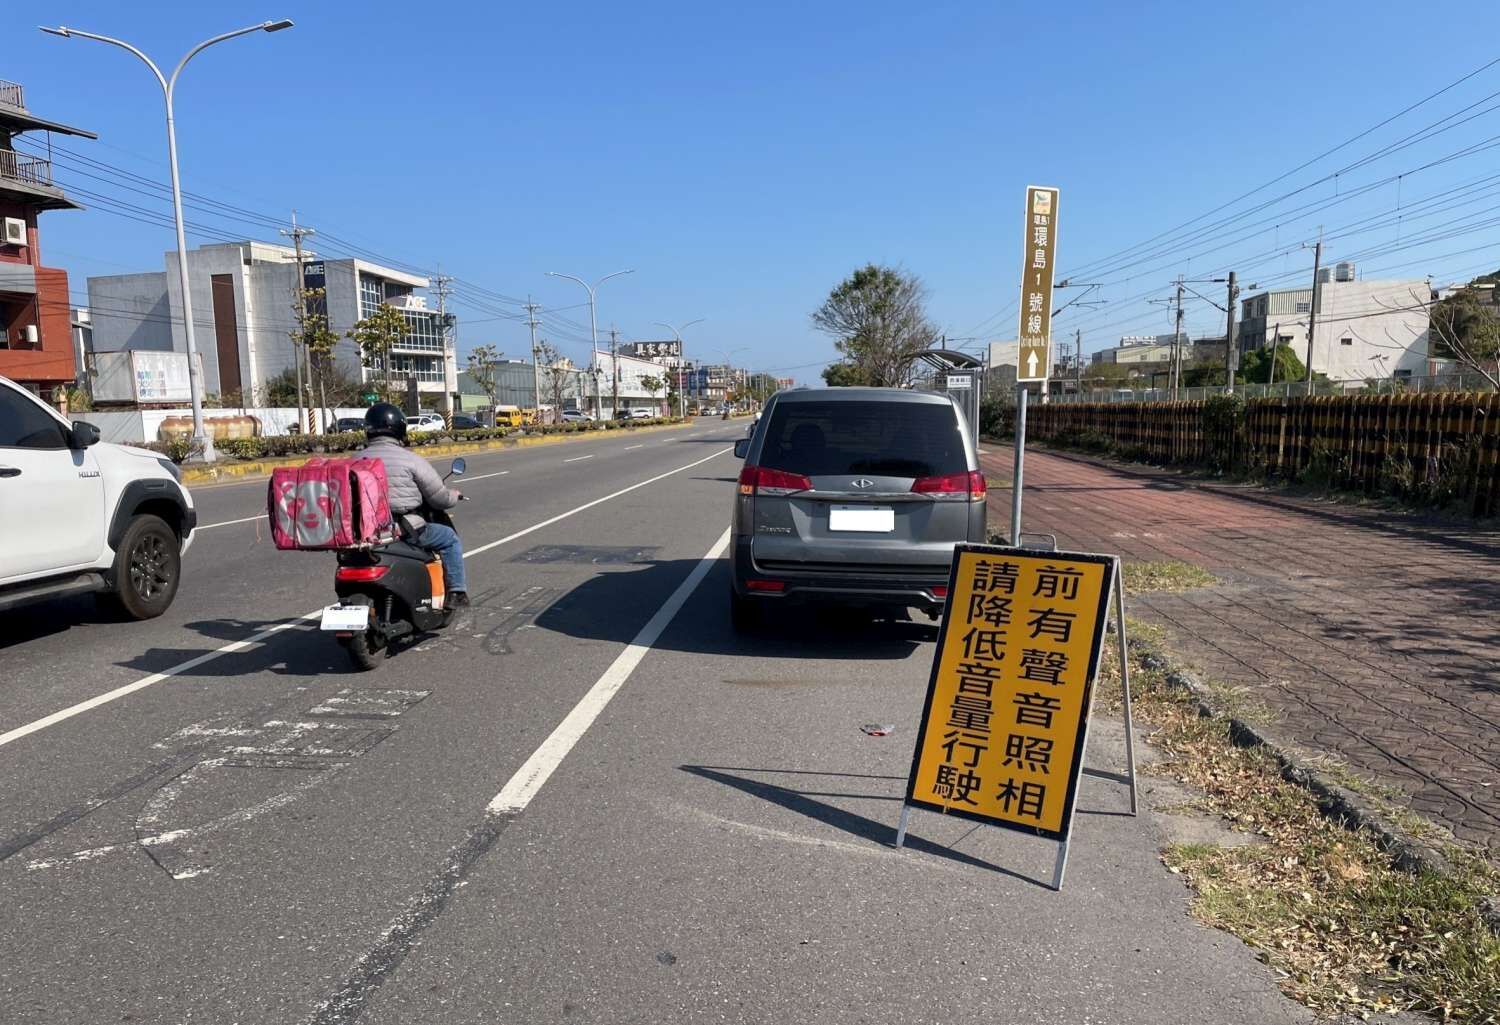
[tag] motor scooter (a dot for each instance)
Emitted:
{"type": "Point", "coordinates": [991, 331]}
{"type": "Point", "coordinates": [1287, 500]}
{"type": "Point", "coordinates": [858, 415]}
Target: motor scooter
{"type": "Point", "coordinates": [388, 590]}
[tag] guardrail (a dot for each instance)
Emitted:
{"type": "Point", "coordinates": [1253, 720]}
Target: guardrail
{"type": "Point", "coordinates": [11, 95]}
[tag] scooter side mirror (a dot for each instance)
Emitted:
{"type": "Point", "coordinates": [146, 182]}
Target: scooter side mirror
{"type": "Point", "coordinates": [458, 467]}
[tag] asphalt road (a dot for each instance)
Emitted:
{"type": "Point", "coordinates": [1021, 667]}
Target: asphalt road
{"type": "Point", "coordinates": [588, 801]}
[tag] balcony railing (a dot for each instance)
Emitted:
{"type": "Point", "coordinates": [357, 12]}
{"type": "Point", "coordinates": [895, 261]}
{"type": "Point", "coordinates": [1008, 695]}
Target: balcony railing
{"type": "Point", "coordinates": [27, 170]}
{"type": "Point", "coordinates": [10, 95]}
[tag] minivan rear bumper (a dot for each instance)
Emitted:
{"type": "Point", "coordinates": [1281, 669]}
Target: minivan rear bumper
{"type": "Point", "coordinates": [867, 585]}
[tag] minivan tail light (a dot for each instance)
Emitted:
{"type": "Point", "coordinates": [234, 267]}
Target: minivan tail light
{"type": "Point", "coordinates": [761, 480]}
{"type": "Point", "coordinates": [765, 585]}
{"type": "Point", "coordinates": [360, 574]}
{"type": "Point", "coordinates": [969, 484]}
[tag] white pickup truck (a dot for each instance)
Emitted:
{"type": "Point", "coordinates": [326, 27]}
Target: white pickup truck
{"type": "Point", "coordinates": [80, 515]}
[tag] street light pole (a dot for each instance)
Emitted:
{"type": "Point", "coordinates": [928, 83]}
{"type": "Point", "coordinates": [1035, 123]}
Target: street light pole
{"type": "Point", "coordinates": [201, 438]}
{"type": "Point", "coordinates": [593, 326]}
{"type": "Point", "coordinates": [681, 398]}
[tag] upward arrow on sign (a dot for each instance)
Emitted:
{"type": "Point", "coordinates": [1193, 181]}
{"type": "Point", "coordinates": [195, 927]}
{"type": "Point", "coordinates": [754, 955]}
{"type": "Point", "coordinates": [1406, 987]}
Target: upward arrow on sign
{"type": "Point", "coordinates": [1031, 364]}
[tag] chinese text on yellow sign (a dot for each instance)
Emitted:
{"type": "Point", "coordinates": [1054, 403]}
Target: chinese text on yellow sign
{"type": "Point", "coordinates": [1004, 723]}
{"type": "Point", "coordinates": [1038, 247]}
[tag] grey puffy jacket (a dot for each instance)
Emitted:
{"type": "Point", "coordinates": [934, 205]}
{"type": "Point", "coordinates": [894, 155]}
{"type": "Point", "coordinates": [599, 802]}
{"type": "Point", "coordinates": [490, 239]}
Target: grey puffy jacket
{"type": "Point", "coordinates": [412, 481]}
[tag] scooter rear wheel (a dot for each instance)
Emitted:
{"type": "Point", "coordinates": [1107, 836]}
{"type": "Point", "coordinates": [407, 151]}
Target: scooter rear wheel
{"type": "Point", "coordinates": [366, 649]}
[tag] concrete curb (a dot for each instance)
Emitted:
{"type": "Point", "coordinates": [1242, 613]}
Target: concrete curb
{"type": "Point", "coordinates": [1336, 801]}
{"type": "Point", "coordinates": [219, 473]}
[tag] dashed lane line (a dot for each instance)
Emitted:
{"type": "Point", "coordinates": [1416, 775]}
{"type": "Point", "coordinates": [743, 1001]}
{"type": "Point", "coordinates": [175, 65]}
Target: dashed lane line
{"type": "Point", "coordinates": [63, 714]}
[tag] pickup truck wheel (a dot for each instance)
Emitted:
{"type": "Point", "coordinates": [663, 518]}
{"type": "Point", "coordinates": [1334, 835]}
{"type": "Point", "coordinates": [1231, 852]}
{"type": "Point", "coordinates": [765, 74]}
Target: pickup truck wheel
{"type": "Point", "coordinates": [148, 567]}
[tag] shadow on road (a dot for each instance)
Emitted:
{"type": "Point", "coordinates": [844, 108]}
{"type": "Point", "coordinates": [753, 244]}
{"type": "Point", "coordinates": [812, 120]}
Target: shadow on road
{"type": "Point", "coordinates": [601, 608]}
{"type": "Point", "coordinates": [802, 802]}
{"type": "Point", "coordinates": [301, 650]}
{"type": "Point", "coordinates": [55, 616]}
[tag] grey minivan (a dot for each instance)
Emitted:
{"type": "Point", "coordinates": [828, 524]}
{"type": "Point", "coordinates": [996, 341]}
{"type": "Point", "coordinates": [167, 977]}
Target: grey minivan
{"type": "Point", "coordinates": [853, 497]}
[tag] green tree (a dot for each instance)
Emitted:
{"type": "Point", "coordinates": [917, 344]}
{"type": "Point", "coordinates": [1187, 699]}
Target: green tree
{"type": "Point", "coordinates": [844, 374]}
{"type": "Point", "coordinates": [1466, 329]}
{"type": "Point", "coordinates": [484, 370]}
{"type": "Point", "coordinates": [653, 384]}
{"type": "Point", "coordinates": [376, 335]}
{"type": "Point", "coordinates": [314, 334]}
{"type": "Point", "coordinates": [1255, 366]}
{"type": "Point", "coordinates": [877, 318]}
{"type": "Point", "coordinates": [281, 390]}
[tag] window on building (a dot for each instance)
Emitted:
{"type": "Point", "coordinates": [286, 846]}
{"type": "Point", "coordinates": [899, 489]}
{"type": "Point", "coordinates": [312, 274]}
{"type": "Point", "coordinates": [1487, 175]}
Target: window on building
{"type": "Point", "coordinates": [1302, 307]}
{"type": "Point", "coordinates": [1402, 374]}
{"type": "Point", "coordinates": [1346, 341]}
{"type": "Point", "coordinates": [371, 295]}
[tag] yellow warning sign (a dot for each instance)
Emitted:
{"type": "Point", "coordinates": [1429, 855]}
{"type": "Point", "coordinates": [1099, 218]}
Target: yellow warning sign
{"type": "Point", "coordinates": [1007, 706]}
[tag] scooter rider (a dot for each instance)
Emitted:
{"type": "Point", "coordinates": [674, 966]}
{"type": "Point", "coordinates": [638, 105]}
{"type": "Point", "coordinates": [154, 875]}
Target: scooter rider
{"type": "Point", "coordinates": [413, 483]}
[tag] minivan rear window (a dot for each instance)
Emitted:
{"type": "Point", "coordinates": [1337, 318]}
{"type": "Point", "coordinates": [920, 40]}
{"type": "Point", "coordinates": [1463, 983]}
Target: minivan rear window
{"type": "Point", "coordinates": [892, 439]}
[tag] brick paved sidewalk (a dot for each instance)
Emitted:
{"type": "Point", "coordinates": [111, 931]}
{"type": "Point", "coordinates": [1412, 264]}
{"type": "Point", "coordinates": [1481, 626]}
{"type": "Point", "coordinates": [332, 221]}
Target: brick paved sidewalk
{"type": "Point", "coordinates": [1374, 635]}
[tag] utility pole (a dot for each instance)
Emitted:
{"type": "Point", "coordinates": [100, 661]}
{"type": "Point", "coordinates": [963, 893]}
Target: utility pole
{"type": "Point", "coordinates": [1078, 366]}
{"type": "Point", "coordinates": [614, 366]}
{"type": "Point", "coordinates": [299, 353]}
{"type": "Point", "coordinates": [536, 370]}
{"type": "Point", "coordinates": [442, 285]}
{"type": "Point", "coordinates": [1312, 309]}
{"type": "Point", "coordinates": [1231, 351]}
{"type": "Point", "coordinates": [1177, 344]}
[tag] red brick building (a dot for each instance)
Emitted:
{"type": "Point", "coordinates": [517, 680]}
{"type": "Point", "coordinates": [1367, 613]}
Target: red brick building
{"type": "Point", "coordinates": [36, 338]}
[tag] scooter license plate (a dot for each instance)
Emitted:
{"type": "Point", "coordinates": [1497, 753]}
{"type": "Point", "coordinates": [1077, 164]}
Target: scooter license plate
{"type": "Point", "coordinates": [346, 617]}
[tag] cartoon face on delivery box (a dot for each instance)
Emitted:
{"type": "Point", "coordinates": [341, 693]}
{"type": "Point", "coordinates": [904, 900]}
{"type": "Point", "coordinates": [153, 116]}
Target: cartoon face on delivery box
{"type": "Point", "coordinates": [307, 510]}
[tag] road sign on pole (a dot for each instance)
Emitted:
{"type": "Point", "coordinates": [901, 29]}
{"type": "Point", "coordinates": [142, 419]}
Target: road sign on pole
{"type": "Point", "coordinates": [1005, 720]}
{"type": "Point", "coordinates": [1039, 245]}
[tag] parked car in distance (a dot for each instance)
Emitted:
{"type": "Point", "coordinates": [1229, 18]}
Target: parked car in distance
{"type": "Point", "coordinates": [84, 515]}
{"type": "Point", "coordinates": [425, 422]}
{"type": "Point", "coordinates": [573, 416]}
{"type": "Point", "coordinates": [465, 423]}
{"type": "Point", "coordinates": [345, 424]}
{"type": "Point", "coordinates": [853, 497]}
{"type": "Point", "coordinates": [641, 413]}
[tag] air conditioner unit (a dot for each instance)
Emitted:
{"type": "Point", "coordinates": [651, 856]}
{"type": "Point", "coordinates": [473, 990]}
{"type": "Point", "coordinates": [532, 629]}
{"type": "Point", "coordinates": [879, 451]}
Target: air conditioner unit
{"type": "Point", "coordinates": [31, 335]}
{"type": "Point", "coordinates": [15, 231]}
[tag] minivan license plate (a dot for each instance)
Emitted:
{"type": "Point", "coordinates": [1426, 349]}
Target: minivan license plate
{"type": "Point", "coordinates": [867, 519]}
{"type": "Point", "coordinates": [346, 617]}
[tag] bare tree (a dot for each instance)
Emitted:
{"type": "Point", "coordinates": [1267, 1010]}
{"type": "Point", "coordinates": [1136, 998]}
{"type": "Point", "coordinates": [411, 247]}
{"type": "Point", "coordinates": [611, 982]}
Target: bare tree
{"type": "Point", "coordinates": [483, 367]}
{"type": "Point", "coordinates": [877, 318]}
{"type": "Point", "coordinates": [554, 375]}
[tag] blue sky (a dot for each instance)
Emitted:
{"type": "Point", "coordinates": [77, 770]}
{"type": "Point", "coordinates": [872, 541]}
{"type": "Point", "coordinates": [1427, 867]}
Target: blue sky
{"type": "Point", "coordinates": [744, 158]}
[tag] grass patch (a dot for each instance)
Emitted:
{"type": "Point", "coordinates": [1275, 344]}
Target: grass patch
{"type": "Point", "coordinates": [1165, 575]}
{"type": "Point", "coordinates": [1345, 931]}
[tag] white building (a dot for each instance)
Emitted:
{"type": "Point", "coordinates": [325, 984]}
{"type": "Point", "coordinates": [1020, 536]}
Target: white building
{"type": "Point", "coordinates": [632, 372]}
{"type": "Point", "coordinates": [243, 294]}
{"type": "Point", "coordinates": [1365, 329]}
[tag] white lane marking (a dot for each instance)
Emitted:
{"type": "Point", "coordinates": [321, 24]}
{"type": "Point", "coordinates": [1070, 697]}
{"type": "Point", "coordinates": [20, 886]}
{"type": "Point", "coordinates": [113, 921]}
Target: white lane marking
{"type": "Point", "coordinates": [629, 447]}
{"type": "Point", "coordinates": [27, 729]}
{"type": "Point", "coordinates": [590, 505]}
{"type": "Point", "coordinates": [230, 523]}
{"type": "Point", "coordinates": [576, 458]}
{"type": "Point", "coordinates": [146, 681]}
{"type": "Point", "coordinates": [530, 777]}
{"type": "Point", "coordinates": [484, 476]}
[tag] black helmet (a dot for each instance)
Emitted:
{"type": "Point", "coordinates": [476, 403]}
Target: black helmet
{"type": "Point", "coordinates": [384, 420]}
